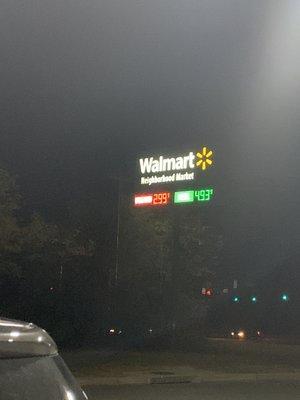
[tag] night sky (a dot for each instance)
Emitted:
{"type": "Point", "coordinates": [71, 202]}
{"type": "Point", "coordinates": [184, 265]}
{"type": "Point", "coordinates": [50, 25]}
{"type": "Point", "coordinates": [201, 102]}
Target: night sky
{"type": "Point", "coordinates": [87, 86]}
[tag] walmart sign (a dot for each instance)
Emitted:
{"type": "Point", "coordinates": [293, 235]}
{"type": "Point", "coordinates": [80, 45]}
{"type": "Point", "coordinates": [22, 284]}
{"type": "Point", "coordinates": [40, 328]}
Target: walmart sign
{"type": "Point", "coordinates": [180, 168]}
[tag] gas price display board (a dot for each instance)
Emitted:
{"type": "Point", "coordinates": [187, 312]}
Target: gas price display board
{"type": "Point", "coordinates": [165, 198]}
{"type": "Point", "coordinates": [181, 178]}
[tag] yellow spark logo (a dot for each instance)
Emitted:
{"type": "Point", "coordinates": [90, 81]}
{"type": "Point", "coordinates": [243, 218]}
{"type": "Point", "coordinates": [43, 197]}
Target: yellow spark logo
{"type": "Point", "coordinates": [204, 158]}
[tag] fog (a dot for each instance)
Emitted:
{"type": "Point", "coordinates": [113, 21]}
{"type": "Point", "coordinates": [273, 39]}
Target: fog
{"type": "Point", "coordinates": [88, 85]}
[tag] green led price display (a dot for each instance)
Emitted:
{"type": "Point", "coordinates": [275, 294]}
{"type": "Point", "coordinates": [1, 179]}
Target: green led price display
{"type": "Point", "coordinates": [203, 194]}
{"type": "Point", "coordinates": [193, 196]}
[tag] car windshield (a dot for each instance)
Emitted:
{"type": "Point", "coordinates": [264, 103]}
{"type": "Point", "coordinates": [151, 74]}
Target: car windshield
{"type": "Point", "coordinates": [149, 192]}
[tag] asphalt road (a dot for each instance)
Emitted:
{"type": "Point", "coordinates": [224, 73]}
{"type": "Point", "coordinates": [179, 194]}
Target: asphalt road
{"type": "Point", "coordinates": [211, 391]}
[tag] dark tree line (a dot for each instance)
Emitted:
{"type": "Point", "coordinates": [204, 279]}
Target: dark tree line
{"type": "Point", "coordinates": [46, 270]}
{"type": "Point", "coordinates": [62, 275]}
{"type": "Point", "coordinates": [166, 256]}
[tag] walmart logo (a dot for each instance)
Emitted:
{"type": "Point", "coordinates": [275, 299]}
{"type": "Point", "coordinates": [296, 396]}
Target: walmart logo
{"type": "Point", "coordinates": [184, 162]}
{"type": "Point", "coordinates": [204, 158]}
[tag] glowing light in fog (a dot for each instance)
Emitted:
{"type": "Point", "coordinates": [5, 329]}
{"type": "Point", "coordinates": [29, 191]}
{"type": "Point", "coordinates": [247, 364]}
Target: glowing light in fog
{"type": "Point", "coordinates": [83, 392]}
{"type": "Point", "coordinates": [69, 395]}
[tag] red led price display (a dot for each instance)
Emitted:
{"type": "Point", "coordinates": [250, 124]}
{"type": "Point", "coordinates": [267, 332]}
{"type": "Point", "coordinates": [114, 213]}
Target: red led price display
{"type": "Point", "coordinates": [161, 198]}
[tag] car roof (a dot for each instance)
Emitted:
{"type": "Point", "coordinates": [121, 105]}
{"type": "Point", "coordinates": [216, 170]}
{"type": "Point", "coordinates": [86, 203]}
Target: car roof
{"type": "Point", "coordinates": [23, 339]}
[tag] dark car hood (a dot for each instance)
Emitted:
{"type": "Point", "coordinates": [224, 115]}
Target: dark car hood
{"type": "Point", "coordinates": [22, 339]}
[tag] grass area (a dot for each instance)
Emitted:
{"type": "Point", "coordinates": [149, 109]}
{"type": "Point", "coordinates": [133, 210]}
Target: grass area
{"type": "Point", "coordinates": [217, 356]}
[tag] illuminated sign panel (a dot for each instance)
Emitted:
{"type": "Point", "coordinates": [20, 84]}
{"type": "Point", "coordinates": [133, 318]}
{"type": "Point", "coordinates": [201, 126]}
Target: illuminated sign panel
{"type": "Point", "coordinates": [153, 199]}
{"type": "Point", "coordinates": [186, 172]}
{"type": "Point", "coordinates": [142, 200]}
{"type": "Point", "coordinates": [157, 170]}
{"type": "Point", "coordinates": [184, 196]}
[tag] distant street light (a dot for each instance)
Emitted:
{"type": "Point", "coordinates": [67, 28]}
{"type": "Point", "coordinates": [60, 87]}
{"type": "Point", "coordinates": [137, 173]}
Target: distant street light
{"type": "Point", "coordinates": [241, 334]}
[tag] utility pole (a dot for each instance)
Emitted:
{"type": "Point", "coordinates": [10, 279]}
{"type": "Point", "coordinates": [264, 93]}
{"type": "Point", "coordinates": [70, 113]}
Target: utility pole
{"type": "Point", "coordinates": [118, 234]}
{"type": "Point", "coordinates": [61, 271]}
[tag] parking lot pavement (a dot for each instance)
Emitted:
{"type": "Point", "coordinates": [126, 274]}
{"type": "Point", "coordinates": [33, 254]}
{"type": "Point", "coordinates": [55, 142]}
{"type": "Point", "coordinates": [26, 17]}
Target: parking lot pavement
{"type": "Point", "coordinates": [207, 391]}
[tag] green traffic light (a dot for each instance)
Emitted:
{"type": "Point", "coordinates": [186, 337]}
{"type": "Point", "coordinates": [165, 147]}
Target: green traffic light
{"type": "Point", "coordinates": [254, 299]}
{"type": "Point", "coordinates": [236, 299]}
{"type": "Point", "coordinates": [284, 297]}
